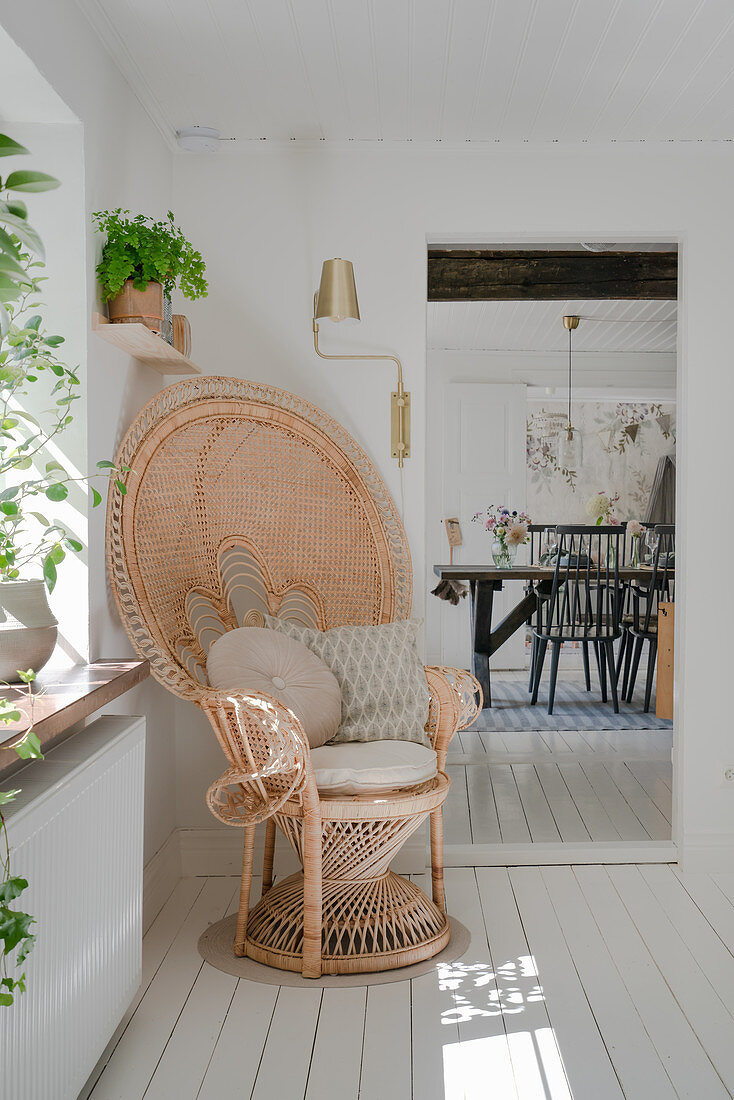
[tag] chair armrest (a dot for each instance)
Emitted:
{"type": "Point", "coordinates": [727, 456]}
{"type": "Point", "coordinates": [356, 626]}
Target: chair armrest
{"type": "Point", "coordinates": [456, 699]}
{"type": "Point", "coordinates": [268, 752]}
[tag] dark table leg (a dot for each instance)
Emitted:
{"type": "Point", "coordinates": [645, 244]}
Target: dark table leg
{"type": "Point", "coordinates": [486, 641]}
{"type": "Point", "coordinates": [482, 597]}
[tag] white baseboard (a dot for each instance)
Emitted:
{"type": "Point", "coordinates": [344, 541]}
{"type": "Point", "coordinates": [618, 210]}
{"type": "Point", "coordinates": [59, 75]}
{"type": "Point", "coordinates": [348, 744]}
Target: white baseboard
{"type": "Point", "coordinates": [555, 853]}
{"type": "Point", "coordinates": [160, 875]}
{"type": "Point", "coordinates": [712, 853]}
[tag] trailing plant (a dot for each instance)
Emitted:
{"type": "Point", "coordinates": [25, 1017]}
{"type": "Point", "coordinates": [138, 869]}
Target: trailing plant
{"type": "Point", "coordinates": [30, 536]}
{"type": "Point", "coordinates": [147, 251]}
{"type": "Point", "coordinates": [16, 937]}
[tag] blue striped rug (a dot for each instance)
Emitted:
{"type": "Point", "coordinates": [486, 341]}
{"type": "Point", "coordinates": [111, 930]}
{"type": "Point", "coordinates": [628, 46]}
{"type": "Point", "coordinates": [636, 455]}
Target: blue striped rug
{"type": "Point", "coordinates": [574, 709]}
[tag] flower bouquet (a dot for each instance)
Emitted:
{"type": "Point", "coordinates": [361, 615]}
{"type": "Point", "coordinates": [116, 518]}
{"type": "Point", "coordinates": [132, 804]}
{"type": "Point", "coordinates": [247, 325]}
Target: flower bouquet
{"type": "Point", "coordinates": [636, 531]}
{"type": "Point", "coordinates": [600, 508]}
{"type": "Point", "coordinates": [508, 529]}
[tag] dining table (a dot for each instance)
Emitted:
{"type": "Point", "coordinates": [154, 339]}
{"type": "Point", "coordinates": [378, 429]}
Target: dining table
{"type": "Point", "coordinates": [485, 580]}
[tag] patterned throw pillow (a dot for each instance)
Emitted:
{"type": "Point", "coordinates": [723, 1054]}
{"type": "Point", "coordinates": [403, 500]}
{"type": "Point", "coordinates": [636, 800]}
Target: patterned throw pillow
{"type": "Point", "coordinates": [384, 689]}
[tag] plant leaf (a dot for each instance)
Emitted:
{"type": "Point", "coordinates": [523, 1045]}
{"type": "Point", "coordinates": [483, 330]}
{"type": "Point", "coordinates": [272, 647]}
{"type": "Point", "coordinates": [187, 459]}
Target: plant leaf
{"type": "Point", "coordinates": [31, 181]}
{"type": "Point", "coordinates": [29, 747]}
{"type": "Point", "coordinates": [10, 148]}
{"type": "Point", "coordinates": [49, 573]}
{"type": "Point", "coordinates": [12, 888]}
{"type": "Point", "coordinates": [57, 492]}
{"type": "Point", "coordinates": [22, 230]}
{"type": "Point", "coordinates": [11, 267]}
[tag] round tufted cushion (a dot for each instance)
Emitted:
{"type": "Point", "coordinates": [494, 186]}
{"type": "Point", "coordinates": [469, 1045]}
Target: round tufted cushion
{"type": "Point", "coordinates": [371, 767]}
{"type": "Point", "coordinates": [252, 659]}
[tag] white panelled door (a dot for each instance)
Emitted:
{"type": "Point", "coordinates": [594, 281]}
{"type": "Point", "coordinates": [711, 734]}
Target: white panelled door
{"type": "Point", "coordinates": [483, 462]}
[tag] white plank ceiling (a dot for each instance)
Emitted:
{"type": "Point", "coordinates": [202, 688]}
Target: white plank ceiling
{"type": "Point", "coordinates": [606, 326]}
{"type": "Point", "coordinates": [430, 70]}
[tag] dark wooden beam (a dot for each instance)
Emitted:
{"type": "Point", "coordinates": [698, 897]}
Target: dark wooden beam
{"type": "Point", "coordinates": [480, 275]}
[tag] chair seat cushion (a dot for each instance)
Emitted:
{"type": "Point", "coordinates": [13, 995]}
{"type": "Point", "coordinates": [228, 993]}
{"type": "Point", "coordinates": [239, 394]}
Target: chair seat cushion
{"type": "Point", "coordinates": [371, 767]}
{"type": "Point", "coordinates": [253, 660]}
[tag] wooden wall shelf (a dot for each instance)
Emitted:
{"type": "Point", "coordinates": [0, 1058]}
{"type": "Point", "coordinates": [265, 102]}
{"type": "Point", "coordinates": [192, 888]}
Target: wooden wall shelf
{"type": "Point", "coordinates": [145, 346]}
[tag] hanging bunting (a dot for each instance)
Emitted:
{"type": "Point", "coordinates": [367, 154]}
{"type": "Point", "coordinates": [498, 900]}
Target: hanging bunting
{"type": "Point", "coordinates": [663, 422]}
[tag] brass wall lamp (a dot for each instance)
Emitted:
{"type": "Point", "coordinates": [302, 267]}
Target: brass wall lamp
{"type": "Point", "coordinates": [336, 300]}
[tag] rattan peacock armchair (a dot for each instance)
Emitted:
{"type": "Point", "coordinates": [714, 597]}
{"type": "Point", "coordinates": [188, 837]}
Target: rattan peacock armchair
{"type": "Point", "coordinates": [220, 462]}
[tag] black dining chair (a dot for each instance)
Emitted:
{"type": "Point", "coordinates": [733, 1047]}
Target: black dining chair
{"type": "Point", "coordinates": [537, 556]}
{"type": "Point", "coordinates": [641, 623]}
{"type": "Point", "coordinates": [584, 604]}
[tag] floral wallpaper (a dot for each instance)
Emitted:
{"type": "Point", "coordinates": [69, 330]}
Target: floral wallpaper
{"type": "Point", "coordinates": [622, 444]}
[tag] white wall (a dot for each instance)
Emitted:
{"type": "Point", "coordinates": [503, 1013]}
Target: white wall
{"type": "Point", "coordinates": [265, 219]}
{"type": "Point", "coordinates": [126, 163]}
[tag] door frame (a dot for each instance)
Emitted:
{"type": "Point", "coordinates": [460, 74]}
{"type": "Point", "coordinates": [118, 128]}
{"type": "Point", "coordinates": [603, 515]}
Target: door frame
{"type": "Point", "coordinates": [568, 853]}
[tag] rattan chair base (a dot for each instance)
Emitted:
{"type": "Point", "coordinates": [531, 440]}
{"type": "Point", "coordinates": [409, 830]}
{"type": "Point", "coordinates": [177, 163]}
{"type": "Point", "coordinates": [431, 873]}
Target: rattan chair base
{"type": "Point", "coordinates": [378, 924]}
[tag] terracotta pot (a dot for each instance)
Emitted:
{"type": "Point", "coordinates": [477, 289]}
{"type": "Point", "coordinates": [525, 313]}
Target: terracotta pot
{"type": "Point", "coordinates": [28, 628]}
{"type": "Point", "coordinates": [144, 307]}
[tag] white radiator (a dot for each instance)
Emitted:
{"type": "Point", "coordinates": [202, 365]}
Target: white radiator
{"type": "Point", "coordinates": [76, 834]}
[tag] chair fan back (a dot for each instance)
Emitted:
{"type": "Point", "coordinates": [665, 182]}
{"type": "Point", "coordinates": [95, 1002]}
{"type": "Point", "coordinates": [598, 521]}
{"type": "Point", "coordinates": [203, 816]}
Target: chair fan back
{"type": "Point", "coordinates": [220, 461]}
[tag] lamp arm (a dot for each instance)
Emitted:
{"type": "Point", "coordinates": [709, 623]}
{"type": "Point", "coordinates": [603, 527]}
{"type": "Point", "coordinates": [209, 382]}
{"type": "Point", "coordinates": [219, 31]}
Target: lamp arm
{"type": "Point", "coordinates": [393, 358]}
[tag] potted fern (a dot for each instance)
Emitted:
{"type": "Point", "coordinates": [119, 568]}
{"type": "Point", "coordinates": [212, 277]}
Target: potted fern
{"type": "Point", "coordinates": [142, 262]}
{"type": "Point", "coordinates": [33, 543]}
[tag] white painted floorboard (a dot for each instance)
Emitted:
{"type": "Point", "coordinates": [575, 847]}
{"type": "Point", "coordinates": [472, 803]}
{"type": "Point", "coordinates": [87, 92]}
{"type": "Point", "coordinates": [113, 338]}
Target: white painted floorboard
{"type": "Point", "coordinates": [554, 787]}
{"type": "Point", "coordinates": [584, 982]}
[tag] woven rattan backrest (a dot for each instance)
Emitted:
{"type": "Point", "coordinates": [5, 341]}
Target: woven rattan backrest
{"type": "Point", "coordinates": [213, 458]}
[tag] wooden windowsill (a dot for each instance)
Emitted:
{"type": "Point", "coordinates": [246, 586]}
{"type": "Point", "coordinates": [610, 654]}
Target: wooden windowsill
{"type": "Point", "coordinates": [63, 697]}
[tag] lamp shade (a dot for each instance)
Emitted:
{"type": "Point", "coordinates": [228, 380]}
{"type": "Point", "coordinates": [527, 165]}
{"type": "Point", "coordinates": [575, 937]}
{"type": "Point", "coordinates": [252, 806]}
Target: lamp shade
{"type": "Point", "coordinates": [570, 453]}
{"type": "Point", "coordinates": [337, 296]}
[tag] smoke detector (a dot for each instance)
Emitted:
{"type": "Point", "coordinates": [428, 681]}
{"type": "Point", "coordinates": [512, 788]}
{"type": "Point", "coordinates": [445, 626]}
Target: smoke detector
{"type": "Point", "coordinates": [199, 139]}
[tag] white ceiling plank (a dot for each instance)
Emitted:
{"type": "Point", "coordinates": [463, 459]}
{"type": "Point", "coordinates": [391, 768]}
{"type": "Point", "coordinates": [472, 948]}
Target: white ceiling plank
{"type": "Point", "coordinates": [543, 40]}
{"type": "Point", "coordinates": [355, 35]}
{"type": "Point", "coordinates": [465, 65]}
{"type": "Point", "coordinates": [288, 82]}
{"type": "Point", "coordinates": [510, 27]}
{"type": "Point", "coordinates": [322, 61]}
{"type": "Point", "coordinates": [446, 71]}
{"type": "Point", "coordinates": [394, 44]}
{"type": "Point", "coordinates": [629, 22]}
{"type": "Point", "coordinates": [606, 326]}
{"type": "Point", "coordinates": [433, 31]}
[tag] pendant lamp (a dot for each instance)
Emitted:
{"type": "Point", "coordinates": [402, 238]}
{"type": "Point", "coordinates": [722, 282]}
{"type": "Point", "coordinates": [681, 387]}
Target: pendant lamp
{"type": "Point", "coordinates": [569, 454]}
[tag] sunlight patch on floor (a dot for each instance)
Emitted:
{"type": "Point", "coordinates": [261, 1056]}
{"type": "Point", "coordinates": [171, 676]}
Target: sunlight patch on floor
{"type": "Point", "coordinates": [519, 1059]}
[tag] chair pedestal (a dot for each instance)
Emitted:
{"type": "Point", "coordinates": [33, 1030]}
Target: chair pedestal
{"type": "Point", "coordinates": [374, 924]}
{"type": "Point", "coordinates": [371, 917]}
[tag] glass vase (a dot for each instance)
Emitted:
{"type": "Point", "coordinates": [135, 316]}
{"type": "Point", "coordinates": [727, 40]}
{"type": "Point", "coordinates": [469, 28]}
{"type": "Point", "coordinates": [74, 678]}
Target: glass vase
{"type": "Point", "coordinates": [635, 559]}
{"type": "Point", "coordinates": [503, 555]}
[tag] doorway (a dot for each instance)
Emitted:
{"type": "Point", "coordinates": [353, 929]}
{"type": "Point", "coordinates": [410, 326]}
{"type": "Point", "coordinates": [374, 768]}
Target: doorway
{"type": "Point", "coordinates": [583, 783]}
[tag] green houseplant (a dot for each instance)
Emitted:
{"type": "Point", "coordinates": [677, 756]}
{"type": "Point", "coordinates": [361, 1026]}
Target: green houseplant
{"type": "Point", "coordinates": [32, 542]}
{"type": "Point", "coordinates": [142, 261]}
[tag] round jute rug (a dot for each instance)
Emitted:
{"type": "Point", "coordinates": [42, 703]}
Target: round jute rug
{"type": "Point", "coordinates": [215, 947]}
